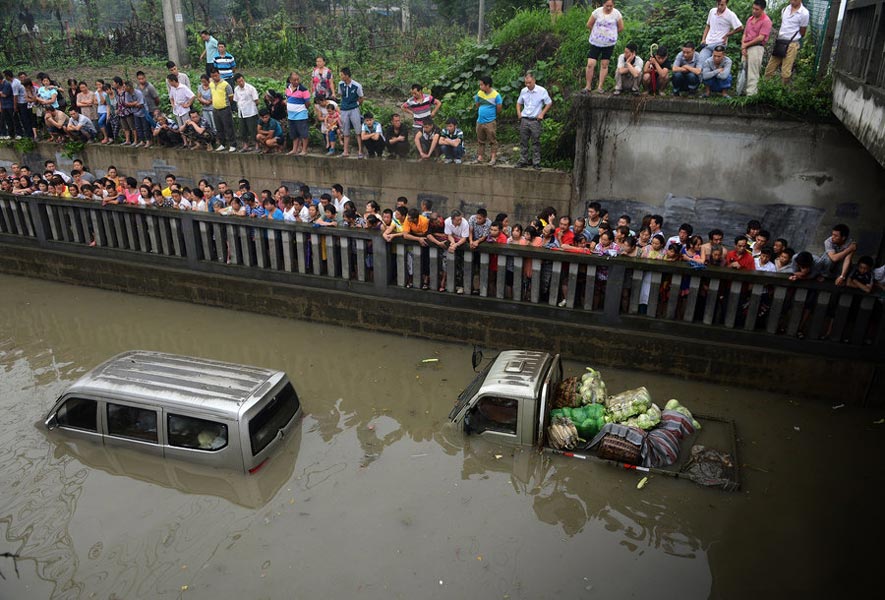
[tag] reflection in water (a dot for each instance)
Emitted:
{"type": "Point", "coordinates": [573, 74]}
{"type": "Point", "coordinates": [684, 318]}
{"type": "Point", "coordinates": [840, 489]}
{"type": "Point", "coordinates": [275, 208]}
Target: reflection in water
{"type": "Point", "coordinates": [564, 494]}
{"type": "Point", "coordinates": [380, 497]}
{"type": "Point", "coordinates": [250, 491]}
{"type": "Point", "coordinates": [41, 489]}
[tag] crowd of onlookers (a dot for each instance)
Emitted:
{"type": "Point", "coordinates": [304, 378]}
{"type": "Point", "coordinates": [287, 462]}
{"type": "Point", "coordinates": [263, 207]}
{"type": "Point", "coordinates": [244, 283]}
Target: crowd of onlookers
{"type": "Point", "coordinates": [221, 111]}
{"type": "Point", "coordinates": [595, 232]}
{"type": "Point", "coordinates": [698, 67]}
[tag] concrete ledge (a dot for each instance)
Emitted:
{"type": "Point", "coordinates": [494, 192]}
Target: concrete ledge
{"type": "Point", "coordinates": [520, 193]}
{"type": "Point", "coordinates": [813, 376]}
{"type": "Point", "coordinates": [685, 105]}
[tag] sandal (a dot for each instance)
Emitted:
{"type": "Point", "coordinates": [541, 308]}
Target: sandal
{"type": "Point", "coordinates": [424, 286]}
{"type": "Point", "coordinates": [442, 289]}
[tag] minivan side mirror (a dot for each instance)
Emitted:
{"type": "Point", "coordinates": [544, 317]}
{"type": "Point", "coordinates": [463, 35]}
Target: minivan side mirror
{"type": "Point", "coordinates": [52, 421]}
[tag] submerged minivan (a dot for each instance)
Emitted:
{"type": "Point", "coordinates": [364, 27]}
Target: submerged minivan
{"type": "Point", "coordinates": [204, 411]}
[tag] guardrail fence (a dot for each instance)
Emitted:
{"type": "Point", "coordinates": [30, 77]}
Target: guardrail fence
{"type": "Point", "coordinates": [618, 292]}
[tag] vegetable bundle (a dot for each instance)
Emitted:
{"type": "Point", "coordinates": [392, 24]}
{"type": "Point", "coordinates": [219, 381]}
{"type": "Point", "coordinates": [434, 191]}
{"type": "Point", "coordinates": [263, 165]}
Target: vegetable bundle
{"type": "Point", "coordinates": [627, 404]}
{"type": "Point", "coordinates": [673, 404]}
{"type": "Point", "coordinates": [592, 388]}
{"type": "Point", "coordinates": [647, 420]}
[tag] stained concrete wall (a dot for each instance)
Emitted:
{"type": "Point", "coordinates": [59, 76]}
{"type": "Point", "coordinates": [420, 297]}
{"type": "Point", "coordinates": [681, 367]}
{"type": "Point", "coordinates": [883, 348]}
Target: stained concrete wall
{"type": "Point", "coordinates": [517, 192]}
{"type": "Point", "coordinates": [823, 377]}
{"type": "Point", "coordinates": [715, 165]}
{"type": "Point", "coordinates": [861, 108]}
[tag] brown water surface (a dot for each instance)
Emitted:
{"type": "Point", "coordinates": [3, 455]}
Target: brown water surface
{"type": "Point", "coordinates": [378, 497]}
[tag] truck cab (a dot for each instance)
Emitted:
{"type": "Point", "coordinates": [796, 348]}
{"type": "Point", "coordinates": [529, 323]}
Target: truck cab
{"type": "Point", "coordinates": [507, 400]}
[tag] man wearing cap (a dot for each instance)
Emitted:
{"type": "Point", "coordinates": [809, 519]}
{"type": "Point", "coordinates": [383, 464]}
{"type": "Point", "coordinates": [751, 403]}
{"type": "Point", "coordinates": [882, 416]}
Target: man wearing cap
{"type": "Point", "coordinates": [716, 73]}
{"type": "Point", "coordinates": [531, 107]}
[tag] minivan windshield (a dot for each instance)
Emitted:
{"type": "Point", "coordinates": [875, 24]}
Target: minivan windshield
{"type": "Point", "coordinates": [275, 415]}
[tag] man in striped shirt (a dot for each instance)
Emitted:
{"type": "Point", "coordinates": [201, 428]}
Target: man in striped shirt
{"type": "Point", "coordinates": [225, 63]}
{"type": "Point", "coordinates": [297, 101]}
{"type": "Point", "coordinates": [421, 105]}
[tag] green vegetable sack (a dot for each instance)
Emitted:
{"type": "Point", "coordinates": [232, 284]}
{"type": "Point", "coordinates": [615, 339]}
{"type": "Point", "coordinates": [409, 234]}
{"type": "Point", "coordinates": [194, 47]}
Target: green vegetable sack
{"type": "Point", "coordinates": [589, 420]}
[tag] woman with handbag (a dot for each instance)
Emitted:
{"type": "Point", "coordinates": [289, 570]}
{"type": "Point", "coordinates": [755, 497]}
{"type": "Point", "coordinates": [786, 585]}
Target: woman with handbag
{"type": "Point", "coordinates": [794, 25]}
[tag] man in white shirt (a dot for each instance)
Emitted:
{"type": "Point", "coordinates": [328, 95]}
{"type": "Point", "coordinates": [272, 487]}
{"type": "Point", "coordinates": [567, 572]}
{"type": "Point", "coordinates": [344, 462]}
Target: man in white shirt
{"type": "Point", "coordinates": [722, 23]}
{"type": "Point", "coordinates": [246, 98]}
{"type": "Point", "coordinates": [338, 198]}
{"type": "Point", "coordinates": [531, 107]}
{"type": "Point", "coordinates": [183, 79]}
{"type": "Point", "coordinates": [794, 25]}
{"type": "Point", "coordinates": [628, 73]}
{"type": "Point", "coordinates": [457, 230]}
{"type": "Point", "coordinates": [181, 98]}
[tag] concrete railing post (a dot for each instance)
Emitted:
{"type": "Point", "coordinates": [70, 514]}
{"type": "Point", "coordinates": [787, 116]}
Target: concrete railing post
{"type": "Point", "coordinates": [381, 263]}
{"type": "Point", "coordinates": [611, 308]}
{"type": "Point", "coordinates": [38, 218]}
{"type": "Point", "coordinates": [190, 242]}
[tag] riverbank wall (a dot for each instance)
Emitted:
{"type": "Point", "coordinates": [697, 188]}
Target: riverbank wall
{"type": "Point", "coordinates": [713, 164]}
{"type": "Point", "coordinates": [601, 334]}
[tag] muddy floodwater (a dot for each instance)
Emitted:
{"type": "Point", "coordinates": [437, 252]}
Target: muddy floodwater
{"type": "Point", "coordinates": [376, 496]}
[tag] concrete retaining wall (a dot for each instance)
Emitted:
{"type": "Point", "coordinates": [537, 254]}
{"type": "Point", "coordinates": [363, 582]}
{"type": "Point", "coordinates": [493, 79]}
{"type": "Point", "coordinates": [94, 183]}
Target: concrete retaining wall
{"type": "Point", "coordinates": [713, 165]}
{"type": "Point", "coordinates": [517, 192]}
{"type": "Point", "coordinates": [822, 377]}
{"type": "Point", "coordinates": [861, 108]}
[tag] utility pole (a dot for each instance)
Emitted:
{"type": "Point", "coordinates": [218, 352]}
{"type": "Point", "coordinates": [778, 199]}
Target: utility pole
{"type": "Point", "coordinates": [482, 18]}
{"type": "Point", "coordinates": [176, 38]}
{"type": "Point", "coordinates": [405, 16]}
{"type": "Point", "coordinates": [826, 49]}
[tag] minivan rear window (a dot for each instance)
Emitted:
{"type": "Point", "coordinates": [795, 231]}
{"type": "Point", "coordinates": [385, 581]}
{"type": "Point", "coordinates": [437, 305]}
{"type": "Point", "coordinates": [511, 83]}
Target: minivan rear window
{"type": "Point", "coordinates": [275, 415]}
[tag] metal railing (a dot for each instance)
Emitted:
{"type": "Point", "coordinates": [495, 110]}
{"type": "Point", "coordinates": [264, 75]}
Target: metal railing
{"type": "Point", "coordinates": [631, 294]}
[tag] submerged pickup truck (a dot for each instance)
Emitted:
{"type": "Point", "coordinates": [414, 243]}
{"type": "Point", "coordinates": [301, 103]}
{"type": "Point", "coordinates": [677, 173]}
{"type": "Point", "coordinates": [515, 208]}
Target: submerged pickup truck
{"type": "Point", "coordinates": [510, 399]}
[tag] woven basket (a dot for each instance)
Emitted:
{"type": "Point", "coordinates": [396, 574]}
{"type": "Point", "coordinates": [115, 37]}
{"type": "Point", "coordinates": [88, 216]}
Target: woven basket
{"type": "Point", "coordinates": [567, 393]}
{"type": "Point", "coordinates": [616, 448]}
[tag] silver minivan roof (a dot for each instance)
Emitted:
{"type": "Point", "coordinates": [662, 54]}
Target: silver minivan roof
{"type": "Point", "coordinates": [171, 380]}
{"type": "Point", "coordinates": [516, 374]}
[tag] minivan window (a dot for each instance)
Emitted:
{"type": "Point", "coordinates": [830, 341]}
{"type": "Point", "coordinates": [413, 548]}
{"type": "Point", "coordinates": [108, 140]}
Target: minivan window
{"type": "Point", "coordinates": [275, 415]}
{"type": "Point", "coordinates": [132, 422]}
{"type": "Point", "coordinates": [78, 413]}
{"type": "Point", "coordinates": [194, 433]}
